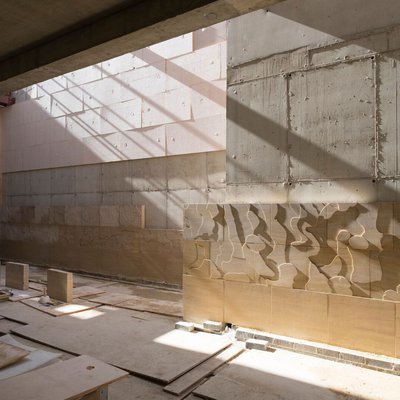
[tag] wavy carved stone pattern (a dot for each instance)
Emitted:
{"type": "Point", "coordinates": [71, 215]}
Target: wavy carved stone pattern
{"type": "Point", "coordinates": [349, 249]}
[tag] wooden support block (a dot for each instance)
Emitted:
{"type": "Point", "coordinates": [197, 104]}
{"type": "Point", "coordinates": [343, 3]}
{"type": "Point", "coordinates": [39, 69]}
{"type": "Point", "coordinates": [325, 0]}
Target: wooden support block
{"type": "Point", "coordinates": [60, 285]}
{"type": "Point", "coordinates": [17, 275]}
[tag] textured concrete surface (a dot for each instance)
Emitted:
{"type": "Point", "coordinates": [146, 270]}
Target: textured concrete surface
{"type": "Point", "coordinates": [311, 109]}
{"type": "Point", "coordinates": [162, 185]}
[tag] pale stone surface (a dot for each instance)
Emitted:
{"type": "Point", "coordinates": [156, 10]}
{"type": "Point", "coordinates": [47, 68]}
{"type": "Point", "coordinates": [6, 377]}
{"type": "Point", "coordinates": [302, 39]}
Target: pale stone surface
{"type": "Point", "coordinates": [184, 326]}
{"type": "Point", "coordinates": [256, 344]}
{"type": "Point", "coordinates": [17, 275]}
{"type": "Point", "coordinates": [60, 285]}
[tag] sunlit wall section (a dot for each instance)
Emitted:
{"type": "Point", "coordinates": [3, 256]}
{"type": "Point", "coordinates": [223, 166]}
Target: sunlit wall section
{"type": "Point", "coordinates": [167, 99]}
{"type": "Point", "coordinates": [146, 128]}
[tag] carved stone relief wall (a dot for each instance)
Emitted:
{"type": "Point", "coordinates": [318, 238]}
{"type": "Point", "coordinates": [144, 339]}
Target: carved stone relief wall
{"type": "Point", "coordinates": [322, 272]}
{"type": "Point", "coordinates": [348, 249]}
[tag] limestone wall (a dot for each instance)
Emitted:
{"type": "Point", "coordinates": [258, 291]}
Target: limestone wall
{"type": "Point", "coordinates": [105, 240]}
{"type": "Point", "coordinates": [327, 272]}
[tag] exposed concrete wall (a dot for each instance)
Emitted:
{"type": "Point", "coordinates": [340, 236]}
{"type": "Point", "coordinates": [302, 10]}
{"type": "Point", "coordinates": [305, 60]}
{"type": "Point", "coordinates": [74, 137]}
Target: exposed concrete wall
{"type": "Point", "coordinates": [312, 94]}
{"type": "Point", "coordinates": [161, 184]}
{"type": "Point", "coordinates": [144, 128]}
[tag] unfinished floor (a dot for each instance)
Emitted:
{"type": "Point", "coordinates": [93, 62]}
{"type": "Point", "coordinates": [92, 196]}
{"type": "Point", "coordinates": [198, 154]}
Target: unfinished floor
{"type": "Point", "coordinates": [132, 327]}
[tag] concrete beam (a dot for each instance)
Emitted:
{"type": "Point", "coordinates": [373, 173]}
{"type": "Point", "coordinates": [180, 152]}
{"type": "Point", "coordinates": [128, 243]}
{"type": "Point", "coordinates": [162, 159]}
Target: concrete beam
{"type": "Point", "coordinates": [139, 25]}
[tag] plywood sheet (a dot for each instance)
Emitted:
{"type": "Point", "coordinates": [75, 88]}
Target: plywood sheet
{"type": "Point", "coordinates": [7, 325]}
{"type": "Point", "coordinates": [34, 359]}
{"type": "Point", "coordinates": [134, 388]}
{"type": "Point", "coordinates": [264, 375]}
{"type": "Point", "coordinates": [20, 312]}
{"type": "Point", "coordinates": [189, 380]}
{"type": "Point", "coordinates": [362, 324]}
{"type": "Point", "coordinates": [37, 286]}
{"type": "Point", "coordinates": [112, 298]}
{"type": "Point", "coordinates": [60, 309]}
{"type": "Point", "coordinates": [54, 382]}
{"type": "Point", "coordinates": [150, 348]}
{"type": "Point", "coordinates": [10, 354]}
{"type": "Point", "coordinates": [24, 294]}
{"type": "Point", "coordinates": [84, 291]}
{"type": "Point", "coordinates": [153, 305]}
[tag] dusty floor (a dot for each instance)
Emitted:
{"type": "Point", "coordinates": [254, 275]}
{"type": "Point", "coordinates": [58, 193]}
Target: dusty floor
{"type": "Point", "coordinates": [147, 344]}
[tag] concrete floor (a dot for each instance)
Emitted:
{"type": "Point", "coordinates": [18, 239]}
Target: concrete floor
{"type": "Point", "coordinates": [254, 375]}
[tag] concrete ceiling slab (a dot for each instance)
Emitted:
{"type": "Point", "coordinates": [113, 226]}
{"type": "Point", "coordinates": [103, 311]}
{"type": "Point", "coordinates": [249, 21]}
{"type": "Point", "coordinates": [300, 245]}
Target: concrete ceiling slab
{"type": "Point", "coordinates": [44, 39]}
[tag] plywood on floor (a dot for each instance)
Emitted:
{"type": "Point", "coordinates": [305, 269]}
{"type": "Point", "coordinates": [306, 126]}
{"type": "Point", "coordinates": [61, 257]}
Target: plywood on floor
{"type": "Point", "coordinates": [37, 286]}
{"type": "Point", "coordinates": [84, 291]}
{"type": "Point", "coordinates": [24, 294]}
{"type": "Point", "coordinates": [190, 379]}
{"type": "Point", "coordinates": [153, 305]}
{"type": "Point", "coordinates": [264, 375]}
{"type": "Point", "coordinates": [134, 388]}
{"type": "Point", "coordinates": [34, 359]}
{"type": "Point", "coordinates": [150, 348]}
{"type": "Point", "coordinates": [10, 354]}
{"type": "Point", "coordinates": [7, 325]}
{"type": "Point", "coordinates": [112, 298]}
{"type": "Point", "coordinates": [54, 382]}
{"type": "Point", "coordinates": [20, 312]}
{"type": "Point", "coordinates": [60, 309]}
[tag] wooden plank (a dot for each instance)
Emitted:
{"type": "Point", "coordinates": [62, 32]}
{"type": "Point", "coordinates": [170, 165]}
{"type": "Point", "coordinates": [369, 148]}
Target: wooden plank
{"type": "Point", "coordinates": [84, 291]}
{"type": "Point", "coordinates": [195, 376]}
{"type": "Point", "coordinates": [69, 379]}
{"type": "Point", "coordinates": [151, 348]}
{"type": "Point", "coordinates": [60, 309]}
{"type": "Point", "coordinates": [164, 307]}
{"type": "Point", "coordinates": [10, 354]}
